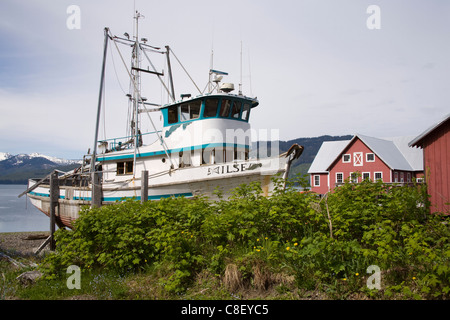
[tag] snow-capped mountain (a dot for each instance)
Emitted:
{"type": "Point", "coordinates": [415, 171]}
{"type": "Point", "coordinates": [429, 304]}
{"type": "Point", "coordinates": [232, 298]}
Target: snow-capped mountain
{"type": "Point", "coordinates": [4, 156]}
{"type": "Point", "coordinates": [19, 168]}
{"type": "Point", "coordinates": [52, 159]}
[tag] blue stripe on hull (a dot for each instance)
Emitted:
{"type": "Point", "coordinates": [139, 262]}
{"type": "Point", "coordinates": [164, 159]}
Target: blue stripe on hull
{"type": "Point", "coordinates": [113, 199]}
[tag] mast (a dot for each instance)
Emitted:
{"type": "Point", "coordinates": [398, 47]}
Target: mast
{"type": "Point", "coordinates": [102, 81]}
{"type": "Point", "coordinates": [136, 95]}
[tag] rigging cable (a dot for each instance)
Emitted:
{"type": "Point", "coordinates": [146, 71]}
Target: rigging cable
{"type": "Point", "coordinates": [115, 71]}
{"type": "Point", "coordinates": [186, 71]}
{"type": "Point", "coordinates": [140, 100]}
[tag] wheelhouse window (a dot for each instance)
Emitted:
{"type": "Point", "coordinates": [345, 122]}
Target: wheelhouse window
{"type": "Point", "coordinates": [190, 110]}
{"type": "Point", "coordinates": [211, 106]}
{"type": "Point", "coordinates": [172, 114]}
{"type": "Point", "coordinates": [124, 167]}
{"type": "Point", "coordinates": [225, 108]}
{"type": "Point", "coordinates": [236, 110]}
{"type": "Point", "coordinates": [245, 112]}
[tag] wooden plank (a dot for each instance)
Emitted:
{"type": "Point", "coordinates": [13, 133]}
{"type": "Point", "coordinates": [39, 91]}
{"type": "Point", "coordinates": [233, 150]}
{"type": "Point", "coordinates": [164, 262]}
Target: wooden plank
{"type": "Point", "coordinates": [42, 246]}
{"type": "Point", "coordinates": [96, 190]}
{"type": "Point", "coordinates": [144, 186]}
{"type": "Point", "coordinates": [54, 198]}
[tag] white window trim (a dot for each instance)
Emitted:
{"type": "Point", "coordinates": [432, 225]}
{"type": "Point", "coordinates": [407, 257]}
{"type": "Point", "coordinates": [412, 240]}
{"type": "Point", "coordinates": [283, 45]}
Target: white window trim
{"type": "Point", "coordinates": [375, 175]}
{"type": "Point", "coordinates": [314, 179]}
{"type": "Point", "coordinates": [367, 160]}
{"type": "Point", "coordinates": [356, 177]}
{"type": "Point", "coordinates": [337, 177]}
{"type": "Point", "coordinates": [360, 156]}
{"type": "Point", "coordinates": [349, 158]}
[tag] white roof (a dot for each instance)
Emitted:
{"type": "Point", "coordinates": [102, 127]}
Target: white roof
{"type": "Point", "coordinates": [392, 151]}
{"type": "Point", "coordinates": [328, 152]}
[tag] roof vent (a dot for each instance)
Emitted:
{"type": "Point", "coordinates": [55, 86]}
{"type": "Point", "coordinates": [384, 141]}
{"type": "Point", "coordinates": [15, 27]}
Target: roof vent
{"type": "Point", "coordinates": [227, 87]}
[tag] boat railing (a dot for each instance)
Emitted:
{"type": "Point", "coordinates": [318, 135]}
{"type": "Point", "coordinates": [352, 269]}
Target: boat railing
{"type": "Point", "coordinates": [123, 143]}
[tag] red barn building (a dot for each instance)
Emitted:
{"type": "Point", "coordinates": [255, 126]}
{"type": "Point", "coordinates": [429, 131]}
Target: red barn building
{"type": "Point", "coordinates": [435, 142]}
{"type": "Point", "coordinates": [389, 160]}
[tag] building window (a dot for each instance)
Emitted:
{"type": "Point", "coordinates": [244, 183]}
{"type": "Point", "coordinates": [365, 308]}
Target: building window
{"type": "Point", "coordinates": [357, 159]}
{"type": "Point", "coordinates": [339, 177]}
{"type": "Point", "coordinates": [408, 176]}
{"type": "Point", "coordinates": [353, 177]}
{"type": "Point", "coordinates": [366, 175]}
{"type": "Point", "coordinates": [346, 158]}
{"type": "Point", "coordinates": [378, 176]}
{"type": "Point", "coordinates": [316, 180]}
{"type": "Point", "coordinates": [125, 167]}
{"type": "Point", "coordinates": [396, 177]}
{"type": "Point", "coordinates": [402, 177]}
{"type": "Point", "coordinates": [370, 157]}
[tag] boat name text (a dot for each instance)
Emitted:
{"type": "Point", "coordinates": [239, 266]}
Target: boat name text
{"type": "Point", "coordinates": [233, 168]}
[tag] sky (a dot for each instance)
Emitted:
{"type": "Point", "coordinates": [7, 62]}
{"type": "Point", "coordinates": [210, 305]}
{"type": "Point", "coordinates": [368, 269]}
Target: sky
{"type": "Point", "coordinates": [317, 67]}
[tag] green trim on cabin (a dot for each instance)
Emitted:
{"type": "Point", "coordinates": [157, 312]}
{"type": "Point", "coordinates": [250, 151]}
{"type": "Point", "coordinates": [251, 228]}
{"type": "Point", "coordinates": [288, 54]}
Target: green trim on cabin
{"type": "Point", "coordinates": [170, 151]}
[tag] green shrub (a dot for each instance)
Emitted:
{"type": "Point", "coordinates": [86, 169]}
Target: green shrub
{"type": "Point", "coordinates": [289, 232]}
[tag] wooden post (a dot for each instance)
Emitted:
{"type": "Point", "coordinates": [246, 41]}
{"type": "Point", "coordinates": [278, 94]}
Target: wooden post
{"type": "Point", "coordinates": [144, 186]}
{"type": "Point", "coordinates": [54, 198]}
{"type": "Point", "coordinates": [96, 190]}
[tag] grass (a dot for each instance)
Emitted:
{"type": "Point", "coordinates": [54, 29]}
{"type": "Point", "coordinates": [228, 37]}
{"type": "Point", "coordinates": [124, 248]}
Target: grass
{"type": "Point", "coordinates": [149, 285]}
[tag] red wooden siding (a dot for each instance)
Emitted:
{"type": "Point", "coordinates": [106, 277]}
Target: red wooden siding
{"type": "Point", "coordinates": [323, 187]}
{"type": "Point", "coordinates": [436, 147]}
{"type": "Point", "coordinates": [347, 168]}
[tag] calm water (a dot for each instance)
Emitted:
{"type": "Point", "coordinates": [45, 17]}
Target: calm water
{"type": "Point", "coordinates": [18, 214]}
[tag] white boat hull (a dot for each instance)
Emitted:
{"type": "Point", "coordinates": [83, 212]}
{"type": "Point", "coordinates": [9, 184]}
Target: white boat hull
{"type": "Point", "coordinates": [187, 182]}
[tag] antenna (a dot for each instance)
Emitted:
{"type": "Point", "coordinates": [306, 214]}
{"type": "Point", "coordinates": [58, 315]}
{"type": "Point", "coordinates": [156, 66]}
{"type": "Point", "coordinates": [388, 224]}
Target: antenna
{"type": "Point", "coordinates": [250, 74]}
{"type": "Point", "coordinates": [240, 80]}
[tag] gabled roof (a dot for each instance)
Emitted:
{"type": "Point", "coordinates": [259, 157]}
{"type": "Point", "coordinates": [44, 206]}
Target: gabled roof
{"type": "Point", "coordinates": [394, 152]}
{"type": "Point", "coordinates": [417, 142]}
{"type": "Point", "coordinates": [328, 152]}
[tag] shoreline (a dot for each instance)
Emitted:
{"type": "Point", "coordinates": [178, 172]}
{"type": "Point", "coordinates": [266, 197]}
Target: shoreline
{"type": "Point", "coordinates": [22, 243]}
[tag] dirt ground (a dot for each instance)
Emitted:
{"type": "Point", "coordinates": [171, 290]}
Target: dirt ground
{"type": "Point", "coordinates": [21, 243]}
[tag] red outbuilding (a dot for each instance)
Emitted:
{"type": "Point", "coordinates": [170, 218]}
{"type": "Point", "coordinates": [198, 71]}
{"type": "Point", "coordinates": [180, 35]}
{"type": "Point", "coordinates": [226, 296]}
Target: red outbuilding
{"type": "Point", "coordinates": [363, 157]}
{"type": "Point", "coordinates": [435, 142]}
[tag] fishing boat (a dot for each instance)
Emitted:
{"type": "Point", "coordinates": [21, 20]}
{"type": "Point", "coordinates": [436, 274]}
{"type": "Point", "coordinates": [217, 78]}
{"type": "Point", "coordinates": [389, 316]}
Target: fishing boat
{"type": "Point", "coordinates": [203, 146]}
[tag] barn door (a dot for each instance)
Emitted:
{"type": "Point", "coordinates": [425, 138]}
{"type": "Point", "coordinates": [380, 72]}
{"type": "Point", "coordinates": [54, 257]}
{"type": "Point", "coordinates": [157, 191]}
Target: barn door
{"type": "Point", "coordinates": [357, 158]}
